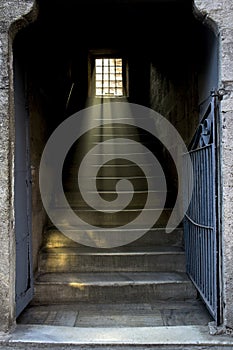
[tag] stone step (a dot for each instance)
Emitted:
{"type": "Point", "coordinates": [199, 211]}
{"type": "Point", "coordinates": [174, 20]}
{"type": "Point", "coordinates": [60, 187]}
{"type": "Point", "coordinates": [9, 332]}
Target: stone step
{"type": "Point", "coordinates": [115, 131]}
{"type": "Point", "coordinates": [40, 337]}
{"type": "Point", "coordinates": [122, 259]}
{"type": "Point", "coordinates": [160, 313]}
{"type": "Point", "coordinates": [53, 238]}
{"type": "Point", "coordinates": [157, 198]}
{"type": "Point", "coordinates": [122, 126]}
{"type": "Point", "coordinates": [117, 126]}
{"type": "Point", "coordinates": [115, 143]}
{"type": "Point", "coordinates": [112, 287]}
{"type": "Point", "coordinates": [113, 158]}
{"type": "Point", "coordinates": [110, 183]}
{"type": "Point", "coordinates": [126, 140]}
{"type": "Point", "coordinates": [117, 137]}
{"type": "Point", "coordinates": [100, 135]}
{"type": "Point", "coordinates": [106, 219]}
{"type": "Point", "coordinates": [116, 168]}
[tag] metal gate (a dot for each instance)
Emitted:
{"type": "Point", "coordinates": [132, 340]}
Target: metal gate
{"type": "Point", "coordinates": [200, 222]}
{"type": "Point", "coordinates": [22, 191]}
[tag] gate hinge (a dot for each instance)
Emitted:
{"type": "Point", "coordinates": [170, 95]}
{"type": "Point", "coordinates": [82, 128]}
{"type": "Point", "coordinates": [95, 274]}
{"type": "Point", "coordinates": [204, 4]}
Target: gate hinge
{"type": "Point", "coordinates": [220, 93]}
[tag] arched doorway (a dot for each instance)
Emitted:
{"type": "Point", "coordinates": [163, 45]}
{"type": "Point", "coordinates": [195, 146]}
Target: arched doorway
{"type": "Point", "coordinates": [166, 72]}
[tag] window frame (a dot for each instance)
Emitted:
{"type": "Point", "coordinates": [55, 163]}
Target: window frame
{"type": "Point", "coordinates": [100, 54]}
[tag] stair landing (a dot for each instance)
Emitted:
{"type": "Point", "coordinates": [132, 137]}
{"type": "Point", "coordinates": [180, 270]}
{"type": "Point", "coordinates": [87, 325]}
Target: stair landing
{"type": "Point", "coordinates": [161, 313]}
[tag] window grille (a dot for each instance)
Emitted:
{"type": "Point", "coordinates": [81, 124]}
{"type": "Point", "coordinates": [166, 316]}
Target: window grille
{"type": "Point", "coordinates": [108, 77]}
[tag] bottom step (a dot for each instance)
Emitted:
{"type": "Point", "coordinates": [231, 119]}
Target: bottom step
{"type": "Point", "coordinates": [112, 287]}
{"type": "Point", "coordinates": [140, 338]}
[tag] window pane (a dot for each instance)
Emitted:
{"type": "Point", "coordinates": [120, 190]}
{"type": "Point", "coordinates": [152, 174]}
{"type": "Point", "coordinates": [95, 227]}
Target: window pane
{"type": "Point", "coordinates": [119, 92]}
{"type": "Point", "coordinates": [98, 70]}
{"type": "Point", "coordinates": [119, 70]}
{"type": "Point", "coordinates": [98, 62]}
{"type": "Point", "coordinates": [98, 77]}
{"type": "Point", "coordinates": [98, 92]}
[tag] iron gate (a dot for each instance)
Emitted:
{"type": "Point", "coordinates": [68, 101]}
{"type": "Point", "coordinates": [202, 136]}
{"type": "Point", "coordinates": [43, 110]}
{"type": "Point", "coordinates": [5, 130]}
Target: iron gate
{"type": "Point", "coordinates": [200, 222]}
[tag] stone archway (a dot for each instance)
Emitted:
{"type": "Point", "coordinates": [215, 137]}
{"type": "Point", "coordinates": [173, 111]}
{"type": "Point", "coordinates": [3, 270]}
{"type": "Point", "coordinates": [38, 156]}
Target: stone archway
{"type": "Point", "coordinates": [17, 15]}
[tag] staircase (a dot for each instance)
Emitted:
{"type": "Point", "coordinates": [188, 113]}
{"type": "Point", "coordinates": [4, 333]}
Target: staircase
{"type": "Point", "coordinates": [149, 269]}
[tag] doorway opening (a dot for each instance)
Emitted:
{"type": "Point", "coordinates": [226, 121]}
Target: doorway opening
{"type": "Point", "coordinates": [174, 72]}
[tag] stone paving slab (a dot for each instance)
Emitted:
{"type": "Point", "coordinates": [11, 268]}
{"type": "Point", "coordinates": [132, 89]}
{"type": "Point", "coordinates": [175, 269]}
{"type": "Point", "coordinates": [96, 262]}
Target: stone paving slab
{"type": "Point", "coordinates": [163, 313]}
{"type": "Point", "coordinates": [169, 338]}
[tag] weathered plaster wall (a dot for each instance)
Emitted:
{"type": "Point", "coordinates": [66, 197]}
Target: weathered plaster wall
{"type": "Point", "coordinates": [176, 101]}
{"type": "Point", "coordinates": [10, 11]}
{"type": "Point", "coordinates": [221, 12]}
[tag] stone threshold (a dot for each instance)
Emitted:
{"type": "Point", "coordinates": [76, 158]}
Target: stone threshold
{"type": "Point", "coordinates": [59, 337]}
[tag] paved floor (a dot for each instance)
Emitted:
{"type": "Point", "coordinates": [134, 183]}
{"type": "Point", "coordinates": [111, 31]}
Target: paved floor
{"type": "Point", "coordinates": [169, 325]}
{"type": "Point", "coordinates": [164, 313]}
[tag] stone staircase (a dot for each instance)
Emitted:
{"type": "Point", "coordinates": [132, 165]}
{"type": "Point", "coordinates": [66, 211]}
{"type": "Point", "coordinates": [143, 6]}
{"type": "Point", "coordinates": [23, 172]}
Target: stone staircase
{"type": "Point", "coordinates": [149, 269]}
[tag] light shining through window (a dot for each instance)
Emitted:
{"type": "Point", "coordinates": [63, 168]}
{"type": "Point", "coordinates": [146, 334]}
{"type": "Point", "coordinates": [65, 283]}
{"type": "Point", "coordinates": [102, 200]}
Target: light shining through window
{"type": "Point", "coordinates": [108, 77]}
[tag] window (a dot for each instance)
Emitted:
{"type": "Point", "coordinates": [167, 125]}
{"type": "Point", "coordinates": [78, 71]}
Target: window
{"type": "Point", "coordinates": [107, 74]}
{"type": "Point", "coordinates": [108, 77]}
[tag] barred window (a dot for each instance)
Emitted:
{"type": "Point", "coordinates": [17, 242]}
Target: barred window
{"type": "Point", "coordinates": [108, 77]}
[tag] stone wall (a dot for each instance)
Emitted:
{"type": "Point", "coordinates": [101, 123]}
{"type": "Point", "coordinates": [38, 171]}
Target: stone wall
{"type": "Point", "coordinates": [12, 18]}
{"type": "Point", "coordinates": [221, 12]}
{"type": "Point", "coordinates": [176, 102]}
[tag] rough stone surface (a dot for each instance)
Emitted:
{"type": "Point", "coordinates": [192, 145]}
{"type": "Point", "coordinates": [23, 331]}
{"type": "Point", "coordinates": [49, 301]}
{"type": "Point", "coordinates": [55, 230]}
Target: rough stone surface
{"type": "Point", "coordinates": [10, 12]}
{"type": "Point", "coordinates": [221, 13]}
{"type": "Point", "coordinates": [169, 338]}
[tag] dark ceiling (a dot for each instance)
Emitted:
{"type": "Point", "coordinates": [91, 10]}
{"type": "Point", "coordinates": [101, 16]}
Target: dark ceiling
{"type": "Point", "coordinates": [117, 23]}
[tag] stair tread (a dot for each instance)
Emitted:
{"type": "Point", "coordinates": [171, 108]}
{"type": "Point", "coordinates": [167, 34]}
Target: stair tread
{"type": "Point", "coordinates": [156, 337]}
{"type": "Point", "coordinates": [124, 250]}
{"type": "Point", "coordinates": [51, 229]}
{"type": "Point", "coordinates": [53, 238]}
{"type": "Point", "coordinates": [113, 278]}
{"type": "Point", "coordinates": [117, 229]}
{"type": "Point", "coordinates": [115, 177]}
{"type": "Point", "coordinates": [128, 210]}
